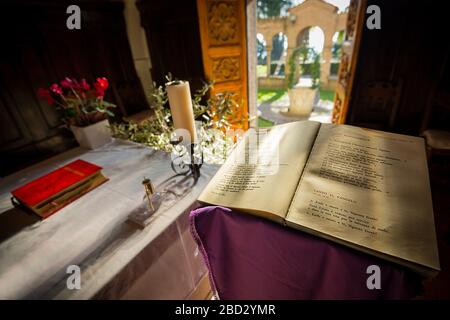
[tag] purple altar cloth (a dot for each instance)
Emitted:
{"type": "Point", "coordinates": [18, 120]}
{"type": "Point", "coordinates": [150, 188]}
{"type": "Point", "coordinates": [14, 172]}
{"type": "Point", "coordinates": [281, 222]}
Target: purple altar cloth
{"type": "Point", "coordinates": [252, 258]}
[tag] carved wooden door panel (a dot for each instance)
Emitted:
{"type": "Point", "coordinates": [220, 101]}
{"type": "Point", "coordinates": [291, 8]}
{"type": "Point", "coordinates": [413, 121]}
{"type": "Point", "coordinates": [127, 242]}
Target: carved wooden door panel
{"type": "Point", "coordinates": [223, 37]}
{"type": "Point", "coordinates": [350, 47]}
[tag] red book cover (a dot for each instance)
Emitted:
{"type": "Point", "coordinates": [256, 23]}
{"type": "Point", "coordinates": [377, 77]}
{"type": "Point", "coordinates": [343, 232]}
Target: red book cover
{"type": "Point", "coordinates": [54, 182]}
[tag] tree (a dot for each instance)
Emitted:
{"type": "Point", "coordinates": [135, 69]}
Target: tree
{"type": "Point", "coordinates": [337, 45]}
{"type": "Point", "coordinates": [315, 69]}
{"type": "Point", "coordinates": [272, 8]}
{"type": "Point", "coordinates": [298, 60]}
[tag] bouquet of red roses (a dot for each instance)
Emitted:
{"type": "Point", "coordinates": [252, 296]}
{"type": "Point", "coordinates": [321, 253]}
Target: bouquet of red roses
{"type": "Point", "coordinates": [80, 103]}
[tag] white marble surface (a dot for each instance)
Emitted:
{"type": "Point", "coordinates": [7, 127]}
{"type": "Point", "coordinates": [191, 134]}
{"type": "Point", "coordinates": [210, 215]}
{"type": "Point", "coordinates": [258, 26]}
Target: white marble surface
{"type": "Point", "coordinates": [92, 232]}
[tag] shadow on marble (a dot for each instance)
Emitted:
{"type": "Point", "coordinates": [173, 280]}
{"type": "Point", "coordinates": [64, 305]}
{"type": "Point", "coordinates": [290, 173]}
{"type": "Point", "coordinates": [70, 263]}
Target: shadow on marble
{"type": "Point", "coordinates": [15, 220]}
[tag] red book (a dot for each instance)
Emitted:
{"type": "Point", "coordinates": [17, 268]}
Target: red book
{"type": "Point", "coordinates": [51, 192]}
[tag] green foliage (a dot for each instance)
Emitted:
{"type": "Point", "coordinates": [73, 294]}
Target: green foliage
{"type": "Point", "coordinates": [78, 104]}
{"type": "Point", "coordinates": [84, 112]}
{"type": "Point", "coordinates": [315, 70]}
{"type": "Point", "coordinates": [221, 112]}
{"type": "Point", "coordinates": [336, 50]}
{"type": "Point", "coordinates": [263, 123]}
{"type": "Point", "coordinates": [299, 57]}
{"type": "Point", "coordinates": [293, 63]}
{"type": "Point", "coordinates": [272, 8]}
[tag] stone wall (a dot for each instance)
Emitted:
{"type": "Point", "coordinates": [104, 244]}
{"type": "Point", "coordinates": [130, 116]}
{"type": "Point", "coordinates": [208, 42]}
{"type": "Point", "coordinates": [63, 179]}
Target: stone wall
{"type": "Point", "coordinates": [271, 83]}
{"type": "Point", "coordinates": [330, 85]}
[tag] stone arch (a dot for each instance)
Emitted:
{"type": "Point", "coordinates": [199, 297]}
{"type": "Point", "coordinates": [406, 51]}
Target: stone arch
{"type": "Point", "coordinates": [294, 34]}
{"type": "Point", "coordinates": [302, 16]}
{"type": "Point", "coordinates": [270, 27]}
{"type": "Point", "coordinates": [260, 37]}
{"type": "Point", "coordinates": [304, 35]}
{"type": "Point", "coordinates": [312, 37]}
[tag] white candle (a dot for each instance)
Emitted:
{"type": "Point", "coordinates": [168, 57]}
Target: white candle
{"type": "Point", "coordinates": [180, 102]}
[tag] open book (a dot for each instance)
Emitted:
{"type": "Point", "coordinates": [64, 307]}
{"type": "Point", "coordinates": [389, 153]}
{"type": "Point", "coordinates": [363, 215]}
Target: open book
{"type": "Point", "coordinates": [362, 188]}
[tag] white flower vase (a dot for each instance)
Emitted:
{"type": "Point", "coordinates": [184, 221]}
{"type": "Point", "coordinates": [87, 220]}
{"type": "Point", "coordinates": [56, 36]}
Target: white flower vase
{"type": "Point", "coordinates": [93, 136]}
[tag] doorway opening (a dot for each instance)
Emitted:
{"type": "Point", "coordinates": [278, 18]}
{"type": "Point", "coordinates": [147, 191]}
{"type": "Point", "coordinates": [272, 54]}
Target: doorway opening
{"type": "Point", "coordinates": [299, 47]}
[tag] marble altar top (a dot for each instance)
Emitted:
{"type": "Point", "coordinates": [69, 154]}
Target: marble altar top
{"type": "Point", "coordinates": [93, 231]}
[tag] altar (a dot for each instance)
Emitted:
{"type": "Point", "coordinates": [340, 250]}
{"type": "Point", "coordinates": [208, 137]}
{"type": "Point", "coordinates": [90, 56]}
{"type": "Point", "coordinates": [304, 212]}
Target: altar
{"type": "Point", "coordinates": [117, 259]}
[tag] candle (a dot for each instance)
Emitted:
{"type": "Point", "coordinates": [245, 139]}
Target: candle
{"type": "Point", "coordinates": [180, 102]}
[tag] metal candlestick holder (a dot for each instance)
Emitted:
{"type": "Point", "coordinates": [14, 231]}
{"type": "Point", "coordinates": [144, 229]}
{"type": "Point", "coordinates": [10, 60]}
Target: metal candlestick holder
{"type": "Point", "coordinates": [178, 164]}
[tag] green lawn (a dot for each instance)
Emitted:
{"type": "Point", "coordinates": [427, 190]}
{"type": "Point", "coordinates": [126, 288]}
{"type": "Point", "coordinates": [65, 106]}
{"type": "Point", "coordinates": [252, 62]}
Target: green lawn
{"type": "Point", "coordinates": [263, 123]}
{"type": "Point", "coordinates": [327, 95]}
{"type": "Point", "coordinates": [270, 95]}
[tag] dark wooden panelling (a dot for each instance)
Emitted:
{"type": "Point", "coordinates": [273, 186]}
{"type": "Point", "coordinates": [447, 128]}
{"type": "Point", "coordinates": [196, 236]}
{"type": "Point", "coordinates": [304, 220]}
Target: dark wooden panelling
{"type": "Point", "coordinates": [408, 54]}
{"type": "Point", "coordinates": [9, 130]}
{"type": "Point", "coordinates": [173, 37]}
{"type": "Point", "coordinates": [37, 50]}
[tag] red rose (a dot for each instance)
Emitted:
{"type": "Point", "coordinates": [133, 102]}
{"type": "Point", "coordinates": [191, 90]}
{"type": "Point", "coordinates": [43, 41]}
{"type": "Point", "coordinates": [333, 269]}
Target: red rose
{"type": "Point", "coordinates": [56, 89]}
{"type": "Point", "coordinates": [100, 87]}
{"type": "Point", "coordinates": [103, 83]}
{"type": "Point", "coordinates": [84, 85]}
{"type": "Point", "coordinates": [67, 83]}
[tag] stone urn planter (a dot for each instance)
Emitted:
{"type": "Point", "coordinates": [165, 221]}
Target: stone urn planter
{"type": "Point", "coordinates": [94, 135]}
{"type": "Point", "coordinates": [302, 100]}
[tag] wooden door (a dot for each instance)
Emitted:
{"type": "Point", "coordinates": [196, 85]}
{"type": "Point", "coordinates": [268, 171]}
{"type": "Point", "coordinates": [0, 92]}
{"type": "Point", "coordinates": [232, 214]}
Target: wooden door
{"type": "Point", "coordinates": [223, 38]}
{"type": "Point", "coordinates": [350, 48]}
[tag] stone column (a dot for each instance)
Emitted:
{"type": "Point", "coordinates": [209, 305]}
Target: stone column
{"type": "Point", "coordinates": [326, 60]}
{"type": "Point", "coordinates": [325, 65]}
{"type": "Point", "coordinates": [139, 48]}
{"type": "Point", "coordinates": [269, 52]}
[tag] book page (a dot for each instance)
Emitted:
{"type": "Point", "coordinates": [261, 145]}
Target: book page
{"type": "Point", "coordinates": [262, 173]}
{"type": "Point", "coordinates": [371, 189]}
